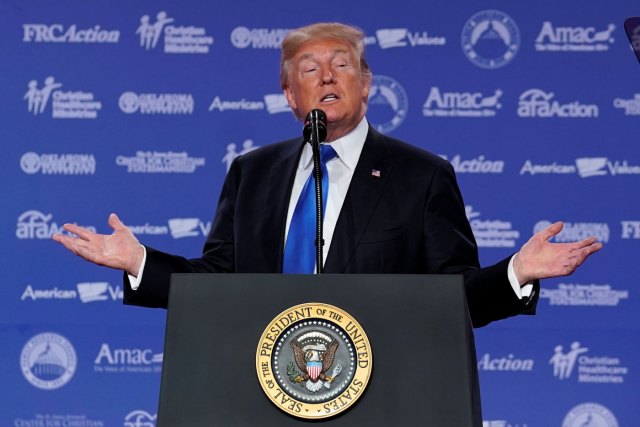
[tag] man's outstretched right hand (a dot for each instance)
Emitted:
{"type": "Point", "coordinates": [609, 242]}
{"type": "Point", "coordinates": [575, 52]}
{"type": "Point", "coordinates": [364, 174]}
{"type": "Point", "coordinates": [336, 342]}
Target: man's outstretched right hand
{"type": "Point", "coordinates": [120, 250]}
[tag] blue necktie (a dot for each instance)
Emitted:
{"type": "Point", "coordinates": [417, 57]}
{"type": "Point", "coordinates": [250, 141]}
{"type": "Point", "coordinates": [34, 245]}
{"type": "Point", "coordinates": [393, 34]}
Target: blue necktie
{"type": "Point", "coordinates": [300, 249]}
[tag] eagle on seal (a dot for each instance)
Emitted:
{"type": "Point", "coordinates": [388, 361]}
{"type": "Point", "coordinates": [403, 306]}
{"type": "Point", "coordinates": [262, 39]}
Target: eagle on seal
{"type": "Point", "coordinates": [314, 360]}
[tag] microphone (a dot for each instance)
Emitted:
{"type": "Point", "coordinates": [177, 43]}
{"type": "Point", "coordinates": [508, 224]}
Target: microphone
{"type": "Point", "coordinates": [315, 126]}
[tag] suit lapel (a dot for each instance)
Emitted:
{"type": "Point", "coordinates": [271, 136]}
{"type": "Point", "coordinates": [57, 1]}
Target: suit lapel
{"type": "Point", "coordinates": [276, 205]}
{"type": "Point", "coordinates": [372, 171]}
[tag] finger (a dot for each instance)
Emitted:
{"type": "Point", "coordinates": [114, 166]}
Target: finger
{"type": "Point", "coordinates": [71, 243]}
{"type": "Point", "coordinates": [583, 243]}
{"type": "Point", "coordinates": [589, 250]}
{"type": "Point", "coordinates": [595, 247]}
{"type": "Point", "coordinates": [586, 251]}
{"type": "Point", "coordinates": [551, 230]}
{"type": "Point", "coordinates": [86, 250]}
{"type": "Point", "coordinates": [115, 223]}
{"type": "Point", "coordinates": [66, 241]}
{"type": "Point", "coordinates": [569, 269]}
{"type": "Point", "coordinates": [578, 257]}
{"type": "Point", "coordinates": [81, 232]}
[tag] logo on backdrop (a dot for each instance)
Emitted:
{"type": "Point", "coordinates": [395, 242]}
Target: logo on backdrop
{"type": "Point", "coordinates": [576, 231]}
{"type": "Point", "coordinates": [156, 103]}
{"type": "Point", "coordinates": [630, 229]}
{"type": "Point", "coordinates": [631, 106]}
{"type": "Point", "coordinates": [509, 363]}
{"type": "Point", "coordinates": [590, 414]}
{"type": "Point", "coordinates": [586, 167]}
{"type": "Point", "coordinates": [160, 162]}
{"type": "Point", "coordinates": [57, 33]}
{"type": "Point", "coordinates": [177, 227]}
{"type": "Point", "coordinates": [273, 103]}
{"type": "Point", "coordinates": [616, 167]}
{"type": "Point", "coordinates": [461, 104]}
{"type": "Point", "coordinates": [149, 229]}
{"type": "Point", "coordinates": [87, 292]}
{"type": "Point", "coordinates": [401, 37]}
{"type": "Point", "coordinates": [127, 360]}
{"type": "Point", "coordinates": [276, 103]}
{"type": "Point", "coordinates": [58, 164]}
{"type": "Point", "coordinates": [591, 166]}
{"type": "Point", "coordinates": [388, 104]}
{"type": "Point", "coordinates": [98, 291]}
{"type": "Point", "coordinates": [587, 295]}
{"type": "Point", "coordinates": [491, 233]}
{"type": "Point", "coordinates": [475, 165]}
{"type": "Point", "coordinates": [590, 369]}
{"type": "Point", "coordinates": [232, 151]}
{"type": "Point", "coordinates": [490, 39]}
{"type": "Point", "coordinates": [140, 418]}
{"type": "Point", "coordinates": [48, 294]}
{"type": "Point", "coordinates": [42, 420]}
{"type": "Point", "coordinates": [241, 105]}
{"type": "Point", "coordinates": [188, 227]}
{"type": "Point", "coordinates": [176, 39]}
{"type": "Point", "coordinates": [48, 361]}
{"type": "Point", "coordinates": [573, 39]}
{"type": "Point", "coordinates": [33, 224]}
{"type": "Point", "coordinates": [258, 38]}
{"type": "Point", "coordinates": [65, 104]}
{"type": "Point", "coordinates": [538, 103]}
{"type": "Point", "coordinates": [563, 363]}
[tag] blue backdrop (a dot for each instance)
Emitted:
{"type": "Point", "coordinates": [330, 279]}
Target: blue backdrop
{"type": "Point", "coordinates": [139, 107]}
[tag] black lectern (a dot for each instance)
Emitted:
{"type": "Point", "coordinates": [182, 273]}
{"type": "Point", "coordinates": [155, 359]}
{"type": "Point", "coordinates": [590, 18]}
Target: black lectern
{"type": "Point", "coordinates": [424, 365]}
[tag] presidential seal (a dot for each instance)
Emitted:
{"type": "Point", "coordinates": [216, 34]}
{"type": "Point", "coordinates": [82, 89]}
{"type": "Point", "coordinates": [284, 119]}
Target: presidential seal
{"type": "Point", "coordinates": [314, 361]}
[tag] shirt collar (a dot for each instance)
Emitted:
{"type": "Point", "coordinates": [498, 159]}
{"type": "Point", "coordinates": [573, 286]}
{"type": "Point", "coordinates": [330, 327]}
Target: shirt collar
{"type": "Point", "coordinates": [348, 147]}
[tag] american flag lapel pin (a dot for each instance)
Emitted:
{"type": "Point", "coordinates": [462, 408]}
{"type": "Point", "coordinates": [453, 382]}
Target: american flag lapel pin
{"type": "Point", "coordinates": [375, 172]}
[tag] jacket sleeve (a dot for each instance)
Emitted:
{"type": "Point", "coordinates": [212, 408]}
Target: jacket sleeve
{"type": "Point", "coordinates": [451, 249]}
{"type": "Point", "coordinates": [218, 254]}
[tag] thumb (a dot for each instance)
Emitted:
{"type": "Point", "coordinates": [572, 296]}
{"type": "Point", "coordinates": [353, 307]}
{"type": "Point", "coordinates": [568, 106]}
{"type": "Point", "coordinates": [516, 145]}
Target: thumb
{"type": "Point", "coordinates": [115, 223]}
{"type": "Point", "coordinates": [552, 230]}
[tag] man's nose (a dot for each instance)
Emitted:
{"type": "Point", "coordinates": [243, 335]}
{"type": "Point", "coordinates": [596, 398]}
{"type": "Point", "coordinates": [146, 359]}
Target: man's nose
{"type": "Point", "coordinates": [327, 76]}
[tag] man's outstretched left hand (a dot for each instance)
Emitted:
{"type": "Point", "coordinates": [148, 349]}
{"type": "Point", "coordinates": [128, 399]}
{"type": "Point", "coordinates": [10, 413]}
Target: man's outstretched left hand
{"type": "Point", "coordinates": [541, 259]}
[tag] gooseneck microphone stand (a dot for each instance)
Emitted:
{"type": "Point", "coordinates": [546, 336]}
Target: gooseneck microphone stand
{"type": "Point", "coordinates": [315, 132]}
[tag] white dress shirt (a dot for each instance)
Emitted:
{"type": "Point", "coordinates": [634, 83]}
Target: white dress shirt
{"type": "Point", "coordinates": [340, 170]}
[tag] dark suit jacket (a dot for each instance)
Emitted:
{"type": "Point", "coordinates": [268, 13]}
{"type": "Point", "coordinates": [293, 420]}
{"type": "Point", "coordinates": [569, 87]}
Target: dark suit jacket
{"type": "Point", "coordinates": [410, 219]}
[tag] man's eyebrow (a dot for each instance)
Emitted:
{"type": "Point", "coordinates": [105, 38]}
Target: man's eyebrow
{"type": "Point", "coordinates": [310, 55]}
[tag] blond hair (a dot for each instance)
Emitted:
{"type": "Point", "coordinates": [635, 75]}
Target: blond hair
{"type": "Point", "coordinates": [352, 36]}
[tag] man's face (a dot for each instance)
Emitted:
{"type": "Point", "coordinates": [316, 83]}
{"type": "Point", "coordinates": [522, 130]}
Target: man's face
{"type": "Point", "coordinates": [325, 74]}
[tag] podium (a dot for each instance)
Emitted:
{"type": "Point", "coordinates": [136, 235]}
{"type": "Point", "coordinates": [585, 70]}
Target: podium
{"type": "Point", "coordinates": [424, 366]}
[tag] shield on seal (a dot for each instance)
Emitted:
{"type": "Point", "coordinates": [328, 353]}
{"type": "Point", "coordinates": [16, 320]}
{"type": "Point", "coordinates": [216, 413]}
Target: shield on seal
{"type": "Point", "coordinates": [314, 369]}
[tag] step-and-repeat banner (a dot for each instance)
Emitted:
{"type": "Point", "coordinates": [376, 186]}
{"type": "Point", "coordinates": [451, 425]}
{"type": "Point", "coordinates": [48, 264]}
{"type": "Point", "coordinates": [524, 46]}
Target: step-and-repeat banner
{"type": "Point", "coordinates": [140, 107]}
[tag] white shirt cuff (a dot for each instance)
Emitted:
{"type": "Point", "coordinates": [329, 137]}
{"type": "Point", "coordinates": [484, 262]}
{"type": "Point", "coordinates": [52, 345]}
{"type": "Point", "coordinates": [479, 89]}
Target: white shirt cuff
{"type": "Point", "coordinates": [521, 291]}
{"type": "Point", "coordinates": [134, 281]}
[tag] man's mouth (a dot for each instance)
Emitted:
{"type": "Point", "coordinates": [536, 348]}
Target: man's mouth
{"type": "Point", "coordinates": [329, 97]}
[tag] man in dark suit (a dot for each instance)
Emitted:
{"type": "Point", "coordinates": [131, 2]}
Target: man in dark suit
{"type": "Point", "coordinates": [392, 208]}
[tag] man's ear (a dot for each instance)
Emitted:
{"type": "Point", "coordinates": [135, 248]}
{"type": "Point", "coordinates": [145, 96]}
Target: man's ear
{"type": "Point", "coordinates": [291, 100]}
{"type": "Point", "coordinates": [366, 88]}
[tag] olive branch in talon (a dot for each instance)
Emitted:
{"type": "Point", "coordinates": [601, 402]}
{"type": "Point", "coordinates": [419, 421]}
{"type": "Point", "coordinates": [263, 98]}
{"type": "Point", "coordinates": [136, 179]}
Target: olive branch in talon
{"type": "Point", "coordinates": [293, 374]}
